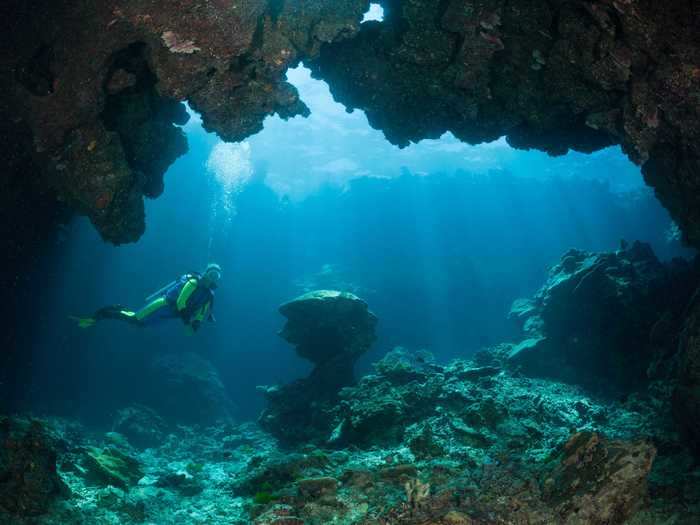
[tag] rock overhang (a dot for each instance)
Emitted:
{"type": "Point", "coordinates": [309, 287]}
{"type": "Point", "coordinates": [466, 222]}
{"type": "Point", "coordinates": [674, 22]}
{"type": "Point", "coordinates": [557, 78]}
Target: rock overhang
{"type": "Point", "coordinates": [547, 75]}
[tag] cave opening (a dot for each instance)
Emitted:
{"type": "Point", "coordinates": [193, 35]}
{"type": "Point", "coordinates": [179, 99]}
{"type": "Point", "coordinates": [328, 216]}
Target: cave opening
{"type": "Point", "coordinates": [439, 230]}
{"type": "Point", "coordinates": [374, 13]}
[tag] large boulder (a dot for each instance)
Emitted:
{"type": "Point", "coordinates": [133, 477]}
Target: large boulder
{"type": "Point", "coordinates": [186, 388]}
{"type": "Point", "coordinates": [601, 319]}
{"type": "Point", "coordinates": [332, 330]}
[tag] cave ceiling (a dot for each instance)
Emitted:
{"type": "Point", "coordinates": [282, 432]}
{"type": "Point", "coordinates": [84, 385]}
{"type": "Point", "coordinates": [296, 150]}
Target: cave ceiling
{"type": "Point", "coordinates": [95, 90]}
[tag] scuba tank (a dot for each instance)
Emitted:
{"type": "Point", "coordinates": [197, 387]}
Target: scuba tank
{"type": "Point", "coordinates": [170, 287]}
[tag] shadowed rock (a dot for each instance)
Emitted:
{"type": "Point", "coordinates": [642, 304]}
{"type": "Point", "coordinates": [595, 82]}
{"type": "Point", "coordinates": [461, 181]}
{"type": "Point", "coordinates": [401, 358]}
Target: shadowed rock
{"type": "Point", "coordinates": [186, 388]}
{"type": "Point", "coordinates": [551, 75]}
{"type": "Point", "coordinates": [29, 481]}
{"type": "Point", "coordinates": [600, 319]}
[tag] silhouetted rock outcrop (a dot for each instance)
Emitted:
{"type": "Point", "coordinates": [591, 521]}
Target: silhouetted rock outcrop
{"type": "Point", "coordinates": [332, 330]}
{"type": "Point", "coordinates": [602, 319]}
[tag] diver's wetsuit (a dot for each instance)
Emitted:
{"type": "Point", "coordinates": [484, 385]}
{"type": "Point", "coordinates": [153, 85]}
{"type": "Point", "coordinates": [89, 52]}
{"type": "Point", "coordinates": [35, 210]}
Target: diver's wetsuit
{"type": "Point", "coordinates": [186, 300]}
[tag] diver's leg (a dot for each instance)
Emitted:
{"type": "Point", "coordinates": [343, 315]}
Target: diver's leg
{"type": "Point", "coordinates": [116, 311]}
{"type": "Point", "coordinates": [119, 313]}
{"type": "Point", "coordinates": [151, 311]}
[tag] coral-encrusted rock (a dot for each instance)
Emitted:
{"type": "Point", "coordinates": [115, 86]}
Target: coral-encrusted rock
{"type": "Point", "coordinates": [29, 481]}
{"type": "Point", "coordinates": [593, 321]}
{"type": "Point", "coordinates": [332, 329]}
{"type": "Point", "coordinates": [99, 86]}
{"type": "Point", "coordinates": [599, 482]}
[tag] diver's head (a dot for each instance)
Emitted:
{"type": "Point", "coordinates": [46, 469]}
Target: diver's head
{"type": "Point", "coordinates": [211, 276]}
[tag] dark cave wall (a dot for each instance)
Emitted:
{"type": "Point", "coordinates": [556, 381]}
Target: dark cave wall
{"type": "Point", "coordinates": [99, 85]}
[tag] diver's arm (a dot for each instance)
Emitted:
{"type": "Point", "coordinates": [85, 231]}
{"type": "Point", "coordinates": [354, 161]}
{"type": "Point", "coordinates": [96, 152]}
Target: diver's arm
{"type": "Point", "coordinates": [185, 293]}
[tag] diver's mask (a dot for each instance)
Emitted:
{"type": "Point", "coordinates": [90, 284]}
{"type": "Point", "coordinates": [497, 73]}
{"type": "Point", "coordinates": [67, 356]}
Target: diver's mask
{"type": "Point", "coordinates": [212, 275]}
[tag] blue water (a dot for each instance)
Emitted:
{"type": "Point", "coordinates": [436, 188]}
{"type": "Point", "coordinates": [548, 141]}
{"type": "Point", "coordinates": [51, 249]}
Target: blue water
{"type": "Point", "coordinates": [439, 238]}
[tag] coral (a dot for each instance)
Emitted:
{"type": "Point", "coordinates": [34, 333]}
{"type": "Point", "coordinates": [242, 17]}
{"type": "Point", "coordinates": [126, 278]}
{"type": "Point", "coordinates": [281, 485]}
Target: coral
{"type": "Point", "coordinates": [548, 75]}
{"type": "Point", "coordinates": [314, 488]}
{"type": "Point", "coordinates": [184, 484]}
{"type": "Point", "coordinates": [416, 493]}
{"type": "Point", "coordinates": [686, 397]}
{"type": "Point", "coordinates": [599, 482]}
{"type": "Point", "coordinates": [262, 498]}
{"type": "Point", "coordinates": [509, 449]}
{"type": "Point", "coordinates": [327, 326]}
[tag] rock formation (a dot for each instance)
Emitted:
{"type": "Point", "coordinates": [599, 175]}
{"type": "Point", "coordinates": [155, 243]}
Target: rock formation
{"type": "Point", "coordinates": [94, 117]}
{"type": "Point", "coordinates": [548, 75]}
{"type": "Point", "coordinates": [97, 88]}
{"type": "Point", "coordinates": [417, 442]}
{"type": "Point", "coordinates": [186, 388]}
{"type": "Point", "coordinates": [29, 481]}
{"type": "Point", "coordinates": [602, 320]}
{"type": "Point", "coordinates": [332, 330]}
{"type": "Point", "coordinates": [141, 426]}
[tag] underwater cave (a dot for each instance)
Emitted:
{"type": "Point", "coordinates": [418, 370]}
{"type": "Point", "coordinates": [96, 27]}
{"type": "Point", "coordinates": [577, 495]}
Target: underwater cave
{"type": "Point", "coordinates": [352, 262]}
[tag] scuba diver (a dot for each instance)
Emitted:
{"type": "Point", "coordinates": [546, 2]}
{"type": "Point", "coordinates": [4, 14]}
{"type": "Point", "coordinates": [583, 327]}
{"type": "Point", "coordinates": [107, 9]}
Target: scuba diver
{"type": "Point", "coordinates": [189, 298]}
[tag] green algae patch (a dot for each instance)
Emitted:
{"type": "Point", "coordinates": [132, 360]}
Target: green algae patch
{"type": "Point", "coordinates": [109, 466]}
{"type": "Point", "coordinates": [263, 498]}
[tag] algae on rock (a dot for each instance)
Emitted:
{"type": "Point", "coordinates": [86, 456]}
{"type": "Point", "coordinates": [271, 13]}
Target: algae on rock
{"type": "Point", "coordinates": [109, 466]}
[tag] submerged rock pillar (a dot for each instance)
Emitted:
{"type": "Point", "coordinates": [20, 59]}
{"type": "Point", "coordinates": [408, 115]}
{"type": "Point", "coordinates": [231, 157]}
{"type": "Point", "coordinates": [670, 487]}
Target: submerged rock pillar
{"type": "Point", "coordinates": [332, 330]}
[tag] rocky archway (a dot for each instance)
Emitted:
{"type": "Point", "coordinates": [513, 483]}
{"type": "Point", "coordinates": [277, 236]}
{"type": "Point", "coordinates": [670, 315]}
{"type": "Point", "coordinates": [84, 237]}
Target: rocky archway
{"type": "Point", "coordinates": [94, 82]}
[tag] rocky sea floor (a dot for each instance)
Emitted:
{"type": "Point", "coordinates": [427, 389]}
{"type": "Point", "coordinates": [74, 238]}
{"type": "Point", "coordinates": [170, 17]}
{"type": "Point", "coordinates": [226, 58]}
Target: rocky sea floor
{"type": "Point", "coordinates": [415, 442]}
